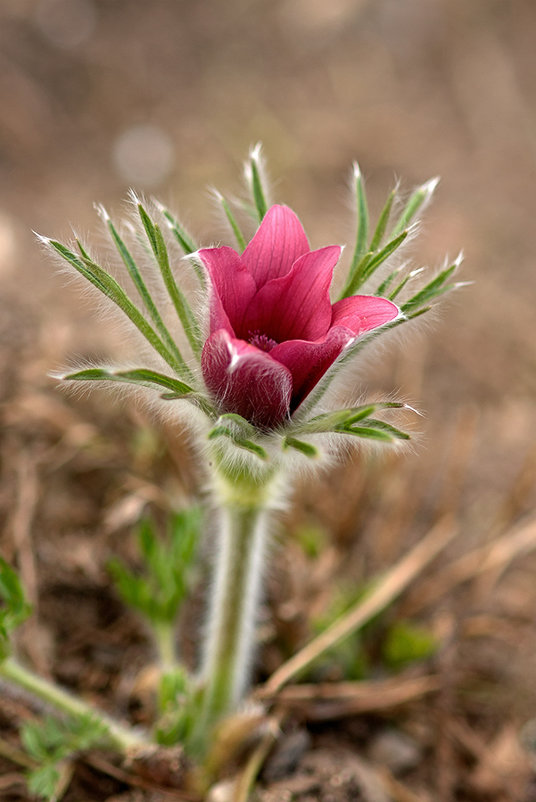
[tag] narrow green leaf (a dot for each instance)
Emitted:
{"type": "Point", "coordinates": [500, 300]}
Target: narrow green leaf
{"type": "Point", "coordinates": [420, 312]}
{"type": "Point", "coordinates": [143, 376]}
{"type": "Point", "coordinates": [182, 307]}
{"type": "Point", "coordinates": [362, 218]}
{"type": "Point", "coordinates": [82, 250]}
{"type": "Point", "coordinates": [416, 200]}
{"type": "Point", "coordinates": [137, 278]}
{"type": "Point", "coordinates": [81, 265]}
{"type": "Point", "coordinates": [329, 421]}
{"type": "Point", "coordinates": [257, 190]}
{"type": "Point", "coordinates": [111, 289]}
{"type": "Point", "coordinates": [148, 225]}
{"type": "Point", "coordinates": [304, 448]}
{"type": "Point", "coordinates": [379, 258]}
{"type": "Point", "coordinates": [437, 286]}
{"type": "Point", "coordinates": [384, 286]}
{"type": "Point", "coordinates": [360, 255]}
{"type": "Point", "coordinates": [371, 428]}
{"type": "Point", "coordinates": [380, 425]}
{"type": "Point", "coordinates": [370, 263]}
{"type": "Point", "coordinates": [348, 354]}
{"type": "Point", "coordinates": [187, 244]}
{"type": "Point", "coordinates": [367, 433]}
{"type": "Point", "coordinates": [240, 239]}
{"type": "Point", "coordinates": [382, 222]}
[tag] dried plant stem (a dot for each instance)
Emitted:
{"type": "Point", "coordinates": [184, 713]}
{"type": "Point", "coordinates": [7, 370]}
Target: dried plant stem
{"type": "Point", "coordinates": [333, 700]}
{"type": "Point", "coordinates": [386, 590]}
{"type": "Point", "coordinates": [246, 780]}
{"type": "Point", "coordinates": [120, 737]}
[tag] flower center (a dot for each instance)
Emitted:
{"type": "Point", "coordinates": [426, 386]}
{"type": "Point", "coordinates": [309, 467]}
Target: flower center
{"type": "Point", "coordinates": [261, 341]}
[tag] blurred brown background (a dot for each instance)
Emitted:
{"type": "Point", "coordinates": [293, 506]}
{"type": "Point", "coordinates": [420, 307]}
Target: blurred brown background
{"type": "Point", "coordinates": [167, 96]}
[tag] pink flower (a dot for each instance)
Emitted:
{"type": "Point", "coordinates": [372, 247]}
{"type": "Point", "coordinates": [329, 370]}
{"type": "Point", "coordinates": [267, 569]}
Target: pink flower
{"type": "Point", "coordinates": [273, 329]}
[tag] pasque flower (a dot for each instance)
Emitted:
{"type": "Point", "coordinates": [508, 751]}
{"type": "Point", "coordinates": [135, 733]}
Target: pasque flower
{"type": "Point", "coordinates": [275, 341]}
{"type": "Point", "coordinates": [273, 329]}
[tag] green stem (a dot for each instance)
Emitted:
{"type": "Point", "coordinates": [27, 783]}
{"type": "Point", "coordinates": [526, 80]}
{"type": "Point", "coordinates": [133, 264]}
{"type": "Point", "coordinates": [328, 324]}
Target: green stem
{"type": "Point", "coordinates": [245, 508]}
{"type": "Point", "coordinates": [120, 737]}
{"type": "Point", "coordinates": [164, 634]}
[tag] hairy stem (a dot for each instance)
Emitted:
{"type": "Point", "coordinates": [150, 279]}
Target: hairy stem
{"type": "Point", "coordinates": [244, 510]}
{"type": "Point", "coordinates": [120, 737]}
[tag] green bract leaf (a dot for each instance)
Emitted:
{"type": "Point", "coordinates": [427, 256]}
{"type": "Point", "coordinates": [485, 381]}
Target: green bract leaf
{"type": "Point", "coordinates": [240, 431]}
{"type": "Point", "coordinates": [362, 225]}
{"type": "Point", "coordinates": [332, 421]}
{"type": "Point", "coordinates": [240, 239]}
{"type": "Point", "coordinates": [255, 178]}
{"type": "Point", "coordinates": [416, 201]}
{"type": "Point", "coordinates": [436, 287]}
{"type": "Point", "coordinates": [145, 295]}
{"type": "Point", "coordinates": [383, 220]}
{"type": "Point", "coordinates": [182, 307]}
{"type": "Point", "coordinates": [346, 356]}
{"type": "Point", "coordinates": [370, 263]}
{"type": "Point", "coordinates": [111, 289]}
{"type": "Point", "coordinates": [371, 428]}
{"type": "Point", "coordinates": [183, 238]}
{"type": "Point", "coordinates": [304, 448]}
{"type": "Point", "coordinates": [141, 376]}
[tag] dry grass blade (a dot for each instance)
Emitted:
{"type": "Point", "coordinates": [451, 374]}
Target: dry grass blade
{"type": "Point", "coordinates": [386, 590]}
{"type": "Point", "coordinates": [246, 780]}
{"type": "Point", "coordinates": [331, 700]}
{"type": "Point", "coordinates": [494, 557]}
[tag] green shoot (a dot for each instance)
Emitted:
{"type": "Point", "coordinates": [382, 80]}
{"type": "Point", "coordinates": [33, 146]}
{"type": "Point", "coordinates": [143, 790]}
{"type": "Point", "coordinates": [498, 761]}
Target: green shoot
{"type": "Point", "coordinates": [14, 609]}
{"type": "Point", "coordinates": [158, 590]}
{"type": "Point", "coordinates": [51, 742]}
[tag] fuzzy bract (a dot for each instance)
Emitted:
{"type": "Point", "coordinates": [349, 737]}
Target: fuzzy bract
{"type": "Point", "coordinates": [273, 329]}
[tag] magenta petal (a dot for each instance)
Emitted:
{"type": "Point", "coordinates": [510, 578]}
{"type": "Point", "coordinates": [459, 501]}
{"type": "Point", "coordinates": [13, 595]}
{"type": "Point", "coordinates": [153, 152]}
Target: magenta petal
{"type": "Point", "coordinates": [233, 286]}
{"type": "Point", "coordinates": [246, 380]}
{"type": "Point", "coordinates": [308, 361]}
{"type": "Point", "coordinates": [278, 242]}
{"type": "Point", "coordinates": [361, 313]}
{"type": "Point", "coordinates": [296, 306]}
